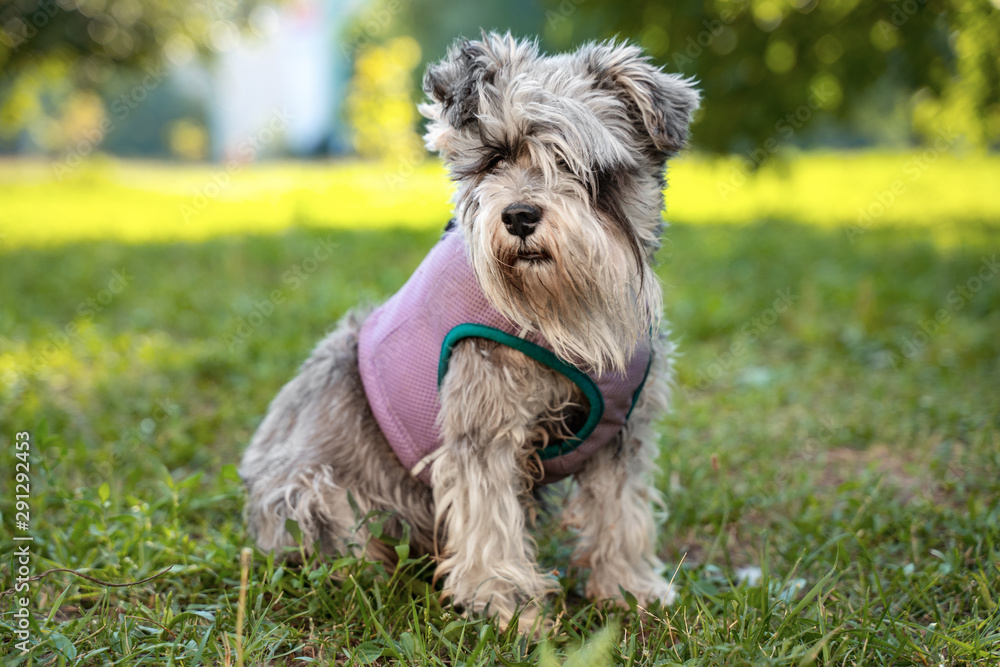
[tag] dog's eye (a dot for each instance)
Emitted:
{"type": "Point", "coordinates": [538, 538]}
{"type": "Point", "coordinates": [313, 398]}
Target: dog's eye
{"type": "Point", "coordinates": [492, 162]}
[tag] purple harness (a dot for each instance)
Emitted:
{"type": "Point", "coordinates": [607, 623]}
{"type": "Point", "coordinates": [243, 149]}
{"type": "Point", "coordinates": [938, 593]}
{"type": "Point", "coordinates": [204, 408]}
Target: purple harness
{"type": "Point", "coordinates": [406, 343]}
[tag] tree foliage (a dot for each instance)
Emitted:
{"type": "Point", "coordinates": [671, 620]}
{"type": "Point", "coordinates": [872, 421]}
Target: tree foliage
{"type": "Point", "coordinates": [767, 67]}
{"type": "Point", "coordinates": [51, 50]}
{"type": "Point", "coordinates": [380, 105]}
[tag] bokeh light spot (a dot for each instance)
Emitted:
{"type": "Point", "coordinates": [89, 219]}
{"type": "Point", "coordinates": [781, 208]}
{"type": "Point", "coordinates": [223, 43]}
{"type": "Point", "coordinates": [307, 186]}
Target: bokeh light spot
{"type": "Point", "coordinates": [654, 39]}
{"type": "Point", "coordinates": [828, 49]}
{"type": "Point", "coordinates": [188, 139]}
{"type": "Point", "coordinates": [102, 29]}
{"type": "Point", "coordinates": [829, 91]}
{"type": "Point", "coordinates": [884, 36]}
{"type": "Point", "coordinates": [767, 15]}
{"type": "Point", "coordinates": [780, 56]}
{"type": "Point", "coordinates": [126, 12]}
{"type": "Point", "coordinates": [223, 36]}
{"type": "Point", "coordinates": [725, 42]}
{"type": "Point", "coordinates": [264, 21]}
{"type": "Point", "coordinates": [179, 50]}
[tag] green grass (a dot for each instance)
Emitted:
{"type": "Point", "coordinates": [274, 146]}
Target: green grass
{"type": "Point", "coordinates": [850, 456]}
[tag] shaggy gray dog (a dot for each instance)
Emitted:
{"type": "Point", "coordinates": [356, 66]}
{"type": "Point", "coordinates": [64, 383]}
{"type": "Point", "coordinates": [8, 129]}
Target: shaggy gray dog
{"type": "Point", "coordinates": [526, 348]}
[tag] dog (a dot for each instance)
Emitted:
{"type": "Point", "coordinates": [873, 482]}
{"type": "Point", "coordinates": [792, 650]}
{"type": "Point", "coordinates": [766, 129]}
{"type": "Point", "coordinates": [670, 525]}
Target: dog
{"type": "Point", "coordinates": [527, 347]}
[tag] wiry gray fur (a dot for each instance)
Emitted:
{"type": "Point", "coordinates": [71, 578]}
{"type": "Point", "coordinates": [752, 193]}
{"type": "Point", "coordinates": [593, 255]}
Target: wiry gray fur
{"type": "Point", "coordinates": [583, 137]}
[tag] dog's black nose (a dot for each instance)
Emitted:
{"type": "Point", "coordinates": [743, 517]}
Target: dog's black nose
{"type": "Point", "coordinates": [521, 219]}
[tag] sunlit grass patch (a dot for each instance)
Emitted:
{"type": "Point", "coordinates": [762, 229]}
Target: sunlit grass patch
{"type": "Point", "coordinates": [869, 189]}
{"type": "Point", "coordinates": [141, 202]}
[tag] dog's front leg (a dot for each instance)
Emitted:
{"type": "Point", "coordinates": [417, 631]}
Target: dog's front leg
{"type": "Point", "coordinates": [481, 483]}
{"type": "Point", "coordinates": [613, 508]}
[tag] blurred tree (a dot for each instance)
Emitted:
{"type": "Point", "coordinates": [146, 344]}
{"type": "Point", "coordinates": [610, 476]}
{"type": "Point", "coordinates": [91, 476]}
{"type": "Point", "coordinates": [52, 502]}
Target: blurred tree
{"type": "Point", "coordinates": [56, 54]}
{"type": "Point", "coordinates": [767, 66]}
{"type": "Point", "coordinates": [380, 104]}
{"type": "Point", "coordinates": [387, 41]}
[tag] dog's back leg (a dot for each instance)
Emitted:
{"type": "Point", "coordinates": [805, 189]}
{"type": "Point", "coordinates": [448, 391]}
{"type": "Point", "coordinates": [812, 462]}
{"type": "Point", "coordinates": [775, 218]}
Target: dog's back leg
{"type": "Point", "coordinates": [318, 443]}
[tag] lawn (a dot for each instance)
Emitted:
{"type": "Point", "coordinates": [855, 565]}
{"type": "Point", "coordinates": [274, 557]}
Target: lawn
{"type": "Point", "coordinates": [831, 466]}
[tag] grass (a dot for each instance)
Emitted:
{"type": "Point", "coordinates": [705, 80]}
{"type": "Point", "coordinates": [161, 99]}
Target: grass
{"type": "Point", "coordinates": [837, 421]}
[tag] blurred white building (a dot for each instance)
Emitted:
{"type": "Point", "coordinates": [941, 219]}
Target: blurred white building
{"type": "Point", "coordinates": [278, 89]}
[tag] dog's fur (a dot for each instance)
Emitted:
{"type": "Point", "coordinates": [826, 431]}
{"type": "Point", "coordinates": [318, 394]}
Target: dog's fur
{"type": "Point", "coordinates": [584, 137]}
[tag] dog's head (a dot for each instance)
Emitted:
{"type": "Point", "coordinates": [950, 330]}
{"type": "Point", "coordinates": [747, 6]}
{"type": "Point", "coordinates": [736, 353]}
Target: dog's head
{"type": "Point", "coordinates": [560, 168]}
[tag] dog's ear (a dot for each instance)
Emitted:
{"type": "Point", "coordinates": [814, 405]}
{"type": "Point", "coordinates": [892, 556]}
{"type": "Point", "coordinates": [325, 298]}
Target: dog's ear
{"type": "Point", "coordinates": [455, 81]}
{"type": "Point", "coordinates": [664, 103]}
{"type": "Point", "coordinates": [469, 70]}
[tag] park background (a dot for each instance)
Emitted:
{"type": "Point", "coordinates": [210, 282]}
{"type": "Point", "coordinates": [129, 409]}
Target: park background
{"type": "Point", "coordinates": [192, 193]}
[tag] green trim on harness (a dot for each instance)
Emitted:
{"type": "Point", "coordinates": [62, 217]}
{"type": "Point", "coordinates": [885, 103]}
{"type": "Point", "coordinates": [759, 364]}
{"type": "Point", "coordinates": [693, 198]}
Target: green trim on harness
{"type": "Point", "coordinates": [638, 390]}
{"type": "Point", "coordinates": [545, 357]}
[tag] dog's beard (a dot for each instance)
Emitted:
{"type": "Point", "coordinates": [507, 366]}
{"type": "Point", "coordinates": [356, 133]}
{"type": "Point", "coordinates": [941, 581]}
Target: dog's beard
{"type": "Point", "coordinates": [573, 280]}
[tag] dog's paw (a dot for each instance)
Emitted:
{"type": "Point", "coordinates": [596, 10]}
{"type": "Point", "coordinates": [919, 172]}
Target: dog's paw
{"type": "Point", "coordinates": [647, 590]}
{"type": "Point", "coordinates": [531, 622]}
{"type": "Point", "coordinates": [657, 590]}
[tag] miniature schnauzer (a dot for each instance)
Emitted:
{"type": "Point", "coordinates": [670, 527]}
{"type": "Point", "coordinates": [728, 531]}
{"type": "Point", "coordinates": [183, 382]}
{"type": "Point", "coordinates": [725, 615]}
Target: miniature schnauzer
{"type": "Point", "coordinates": [527, 346]}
